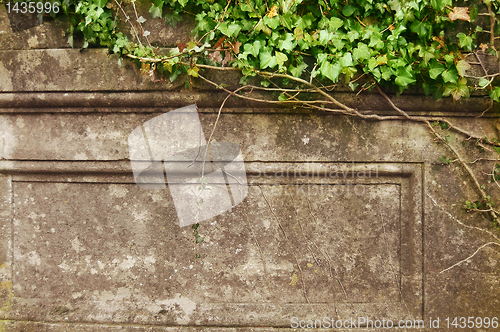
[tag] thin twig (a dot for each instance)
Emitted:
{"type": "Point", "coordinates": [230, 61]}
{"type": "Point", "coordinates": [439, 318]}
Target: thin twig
{"type": "Point", "coordinates": [201, 129]}
{"type": "Point", "coordinates": [215, 126]}
{"type": "Point", "coordinates": [459, 222]}
{"type": "Point", "coordinates": [471, 256]}
{"type": "Point", "coordinates": [345, 109]}
{"type": "Point", "coordinates": [140, 25]}
{"type": "Point", "coordinates": [301, 278]}
{"type": "Point", "coordinates": [127, 18]}
{"type": "Point", "coordinates": [486, 110]}
{"type": "Point", "coordinates": [272, 211]}
{"type": "Point", "coordinates": [463, 163]}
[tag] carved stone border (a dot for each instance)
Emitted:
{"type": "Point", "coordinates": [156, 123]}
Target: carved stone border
{"type": "Point", "coordinates": [409, 176]}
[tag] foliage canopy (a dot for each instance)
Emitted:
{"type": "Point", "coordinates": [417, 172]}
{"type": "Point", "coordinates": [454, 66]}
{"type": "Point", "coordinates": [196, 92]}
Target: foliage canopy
{"type": "Point", "coordinates": [400, 43]}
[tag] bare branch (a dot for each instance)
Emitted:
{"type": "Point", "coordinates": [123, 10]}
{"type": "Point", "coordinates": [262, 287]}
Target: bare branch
{"type": "Point", "coordinates": [471, 256]}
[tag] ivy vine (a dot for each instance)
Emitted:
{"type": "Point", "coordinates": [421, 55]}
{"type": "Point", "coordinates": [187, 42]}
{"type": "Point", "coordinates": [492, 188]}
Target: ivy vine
{"type": "Point", "coordinates": [400, 43]}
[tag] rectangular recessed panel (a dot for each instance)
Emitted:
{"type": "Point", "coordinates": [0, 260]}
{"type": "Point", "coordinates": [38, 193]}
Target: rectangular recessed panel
{"type": "Point", "coordinates": [115, 252]}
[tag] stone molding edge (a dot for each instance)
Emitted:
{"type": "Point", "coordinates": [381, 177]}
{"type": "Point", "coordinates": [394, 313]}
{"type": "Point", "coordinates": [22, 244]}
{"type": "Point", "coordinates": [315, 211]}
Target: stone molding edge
{"type": "Point", "coordinates": [160, 101]}
{"type": "Point", "coordinates": [411, 305]}
{"type": "Point", "coordinates": [123, 167]}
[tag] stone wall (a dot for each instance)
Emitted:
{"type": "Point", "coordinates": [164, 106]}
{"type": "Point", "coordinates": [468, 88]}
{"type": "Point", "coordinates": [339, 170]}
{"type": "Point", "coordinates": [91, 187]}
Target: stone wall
{"type": "Point", "coordinates": [344, 218]}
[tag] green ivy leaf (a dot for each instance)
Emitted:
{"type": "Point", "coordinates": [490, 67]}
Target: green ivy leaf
{"type": "Point", "coordinates": [287, 43]}
{"type": "Point", "coordinates": [449, 58]}
{"type": "Point", "coordinates": [483, 81]}
{"type": "Point", "coordinates": [281, 58]}
{"type": "Point", "coordinates": [460, 91]}
{"type": "Point", "coordinates": [387, 72]}
{"type": "Point", "coordinates": [348, 10]}
{"type": "Point", "coordinates": [193, 71]}
{"type": "Point", "coordinates": [439, 5]}
{"type": "Point", "coordinates": [435, 69]}
{"type": "Point", "coordinates": [252, 48]}
{"type": "Point", "coordinates": [297, 71]}
{"type": "Point", "coordinates": [444, 160]}
{"type": "Point", "coordinates": [287, 21]}
{"type": "Point", "coordinates": [362, 52]}
{"type": "Point", "coordinates": [334, 24]}
{"type": "Point", "coordinates": [346, 60]}
{"type": "Point", "coordinates": [267, 60]}
{"type": "Point", "coordinates": [419, 28]}
{"type": "Point", "coordinates": [376, 41]}
{"type": "Point", "coordinates": [450, 76]}
{"type": "Point", "coordinates": [70, 42]}
{"type": "Point", "coordinates": [372, 63]}
{"type": "Point", "coordinates": [495, 94]}
{"type": "Point", "coordinates": [404, 76]}
{"type": "Point", "coordinates": [353, 85]}
{"type": "Point", "coordinates": [427, 54]}
{"type": "Point", "coordinates": [230, 30]}
{"type": "Point", "coordinates": [462, 67]}
{"type": "Point", "coordinates": [155, 11]}
{"type": "Point", "coordinates": [173, 19]}
{"type": "Point", "coordinates": [305, 22]}
{"type": "Point", "coordinates": [331, 71]}
{"type": "Point", "coordinates": [271, 22]}
{"type": "Point", "coordinates": [465, 41]}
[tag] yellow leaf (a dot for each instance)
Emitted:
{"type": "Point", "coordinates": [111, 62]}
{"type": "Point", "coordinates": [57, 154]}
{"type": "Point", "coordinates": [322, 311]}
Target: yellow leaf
{"type": "Point", "coordinates": [382, 60]}
{"type": "Point", "coordinates": [272, 12]}
{"type": "Point", "coordinates": [191, 45]}
{"type": "Point", "coordinates": [459, 13]}
{"type": "Point", "coordinates": [193, 71]}
{"type": "Point", "coordinates": [294, 280]}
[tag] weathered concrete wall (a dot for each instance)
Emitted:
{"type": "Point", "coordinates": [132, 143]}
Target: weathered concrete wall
{"type": "Point", "coordinates": [83, 248]}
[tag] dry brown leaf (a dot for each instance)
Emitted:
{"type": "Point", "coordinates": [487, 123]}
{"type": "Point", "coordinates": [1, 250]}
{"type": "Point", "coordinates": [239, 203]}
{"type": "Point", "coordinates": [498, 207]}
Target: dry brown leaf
{"type": "Point", "coordinates": [236, 47]}
{"type": "Point", "coordinates": [219, 42]}
{"type": "Point", "coordinates": [440, 40]}
{"type": "Point", "coordinates": [459, 13]}
{"type": "Point", "coordinates": [181, 46]}
{"type": "Point", "coordinates": [227, 58]}
{"type": "Point", "coordinates": [215, 57]}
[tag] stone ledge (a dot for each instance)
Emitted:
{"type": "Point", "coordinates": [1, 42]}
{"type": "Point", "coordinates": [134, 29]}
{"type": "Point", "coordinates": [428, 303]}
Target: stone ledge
{"type": "Point", "coordinates": [209, 101]}
{"type": "Point", "coordinates": [25, 326]}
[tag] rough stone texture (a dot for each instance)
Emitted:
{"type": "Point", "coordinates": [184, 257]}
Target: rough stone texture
{"type": "Point", "coordinates": [161, 34]}
{"type": "Point", "coordinates": [131, 260]}
{"type": "Point", "coordinates": [82, 248]}
{"type": "Point", "coordinates": [18, 31]}
{"type": "Point", "coordinates": [24, 31]}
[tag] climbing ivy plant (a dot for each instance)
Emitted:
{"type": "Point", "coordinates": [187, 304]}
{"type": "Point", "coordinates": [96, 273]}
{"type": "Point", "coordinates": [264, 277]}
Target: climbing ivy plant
{"type": "Point", "coordinates": [399, 43]}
